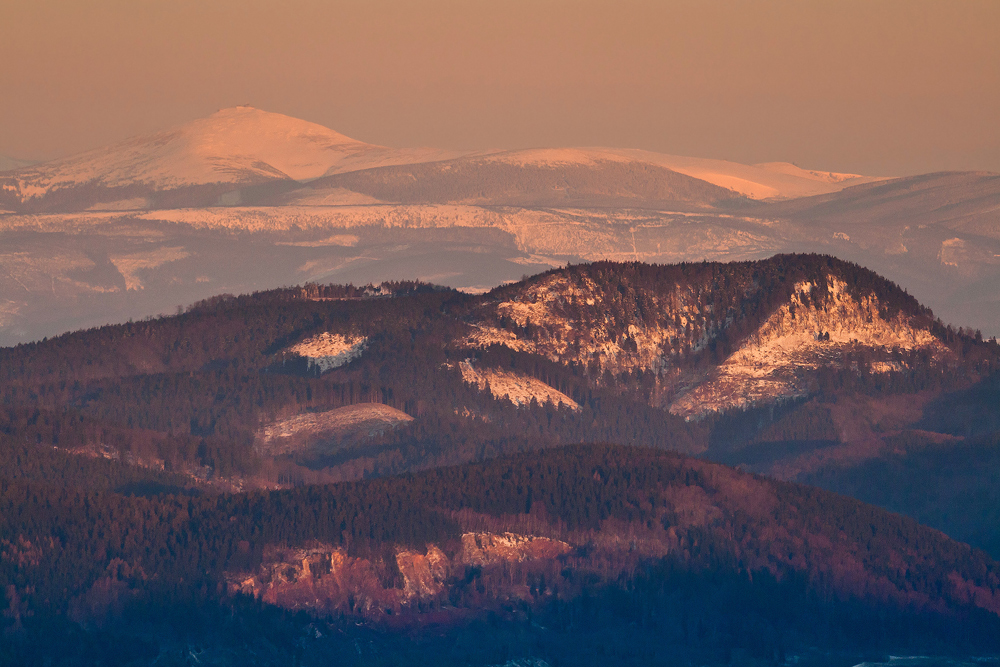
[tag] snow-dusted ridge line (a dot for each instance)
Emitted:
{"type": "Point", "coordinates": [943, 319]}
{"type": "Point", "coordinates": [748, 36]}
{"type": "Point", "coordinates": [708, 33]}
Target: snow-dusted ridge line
{"type": "Point", "coordinates": [772, 180]}
{"type": "Point", "coordinates": [560, 317]}
{"type": "Point", "coordinates": [245, 146]}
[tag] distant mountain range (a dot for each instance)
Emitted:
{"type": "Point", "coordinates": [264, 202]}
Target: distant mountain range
{"type": "Point", "coordinates": [236, 153]}
{"type": "Point", "coordinates": [246, 200]}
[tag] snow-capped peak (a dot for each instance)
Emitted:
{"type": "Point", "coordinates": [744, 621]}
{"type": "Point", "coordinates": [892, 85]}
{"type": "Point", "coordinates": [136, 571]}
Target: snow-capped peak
{"type": "Point", "coordinates": [239, 145]}
{"type": "Point", "coordinates": [297, 148]}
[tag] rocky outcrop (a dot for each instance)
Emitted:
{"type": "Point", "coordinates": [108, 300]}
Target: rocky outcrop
{"type": "Point", "coordinates": [778, 360]}
{"type": "Point", "coordinates": [490, 549]}
{"type": "Point", "coordinates": [327, 579]}
{"type": "Point", "coordinates": [424, 575]}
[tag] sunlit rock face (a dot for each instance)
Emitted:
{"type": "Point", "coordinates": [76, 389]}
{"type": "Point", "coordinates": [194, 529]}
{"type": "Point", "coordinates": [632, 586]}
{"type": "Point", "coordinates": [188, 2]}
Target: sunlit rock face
{"type": "Point", "coordinates": [801, 336]}
{"type": "Point", "coordinates": [574, 317]}
{"type": "Point", "coordinates": [327, 579]}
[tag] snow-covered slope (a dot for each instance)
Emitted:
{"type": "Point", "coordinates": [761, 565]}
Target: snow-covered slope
{"type": "Point", "coordinates": [774, 180]}
{"type": "Point", "coordinates": [243, 152]}
{"type": "Point", "coordinates": [777, 180]}
{"type": "Point", "coordinates": [240, 146]}
{"type": "Point", "coordinates": [581, 176]}
{"type": "Point", "coordinates": [232, 145]}
{"type": "Point", "coordinates": [328, 430]}
{"type": "Point", "coordinates": [533, 179]}
{"type": "Point", "coordinates": [329, 350]}
{"type": "Point", "coordinates": [518, 388]}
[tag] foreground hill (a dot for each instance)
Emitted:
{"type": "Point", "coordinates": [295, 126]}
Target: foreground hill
{"type": "Point", "coordinates": [586, 555]}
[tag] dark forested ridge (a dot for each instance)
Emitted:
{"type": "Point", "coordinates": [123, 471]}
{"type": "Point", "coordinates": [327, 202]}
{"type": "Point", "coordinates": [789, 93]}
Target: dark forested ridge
{"type": "Point", "coordinates": [191, 393]}
{"type": "Point", "coordinates": [149, 471]}
{"type": "Point", "coordinates": [729, 564]}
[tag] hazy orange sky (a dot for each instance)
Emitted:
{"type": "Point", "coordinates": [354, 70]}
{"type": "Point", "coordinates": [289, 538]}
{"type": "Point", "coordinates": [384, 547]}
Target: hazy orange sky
{"type": "Point", "coordinates": [873, 87]}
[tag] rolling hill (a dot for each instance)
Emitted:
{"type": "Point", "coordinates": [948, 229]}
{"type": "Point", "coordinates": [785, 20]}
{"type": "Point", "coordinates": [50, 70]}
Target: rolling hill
{"type": "Point", "coordinates": [585, 554]}
{"type": "Point", "coordinates": [204, 162]}
{"type": "Point", "coordinates": [794, 366]}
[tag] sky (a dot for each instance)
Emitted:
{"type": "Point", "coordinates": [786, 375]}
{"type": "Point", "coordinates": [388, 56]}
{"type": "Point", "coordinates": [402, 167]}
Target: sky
{"type": "Point", "coordinates": [872, 87]}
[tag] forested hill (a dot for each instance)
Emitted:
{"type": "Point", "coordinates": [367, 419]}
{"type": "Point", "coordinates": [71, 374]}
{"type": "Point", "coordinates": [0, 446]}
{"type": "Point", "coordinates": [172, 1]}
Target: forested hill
{"type": "Point", "coordinates": [322, 383]}
{"type": "Point", "coordinates": [321, 471]}
{"type": "Point", "coordinates": [585, 555]}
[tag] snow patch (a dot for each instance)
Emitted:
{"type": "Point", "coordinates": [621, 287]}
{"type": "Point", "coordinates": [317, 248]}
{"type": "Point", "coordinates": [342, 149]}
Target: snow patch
{"type": "Point", "coordinates": [329, 350]}
{"type": "Point", "coordinates": [790, 169]}
{"type": "Point", "coordinates": [518, 389]}
{"type": "Point", "coordinates": [952, 252]}
{"type": "Point", "coordinates": [342, 240]}
{"type": "Point", "coordinates": [375, 416]}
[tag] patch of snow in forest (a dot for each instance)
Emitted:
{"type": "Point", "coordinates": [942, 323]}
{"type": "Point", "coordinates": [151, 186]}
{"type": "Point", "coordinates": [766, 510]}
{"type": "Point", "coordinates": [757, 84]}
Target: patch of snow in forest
{"type": "Point", "coordinates": [519, 389]}
{"type": "Point", "coordinates": [341, 419]}
{"type": "Point", "coordinates": [329, 350]}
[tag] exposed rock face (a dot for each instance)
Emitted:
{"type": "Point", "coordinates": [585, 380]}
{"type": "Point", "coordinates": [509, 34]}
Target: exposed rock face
{"type": "Point", "coordinates": [327, 579]}
{"type": "Point", "coordinates": [802, 336]}
{"type": "Point", "coordinates": [424, 575]}
{"type": "Point", "coordinates": [490, 549]}
{"type": "Point", "coordinates": [323, 579]}
{"type": "Point", "coordinates": [573, 318]}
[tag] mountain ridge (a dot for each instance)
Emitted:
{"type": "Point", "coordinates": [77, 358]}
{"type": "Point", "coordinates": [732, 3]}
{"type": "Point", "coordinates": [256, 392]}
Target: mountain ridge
{"type": "Point", "coordinates": [352, 465]}
{"type": "Point", "coordinates": [233, 148]}
{"type": "Point", "coordinates": [102, 252]}
{"type": "Point", "coordinates": [243, 147]}
{"type": "Point", "coordinates": [589, 343]}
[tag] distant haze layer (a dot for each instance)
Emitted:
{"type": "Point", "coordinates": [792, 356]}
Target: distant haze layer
{"type": "Point", "coordinates": [886, 88]}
